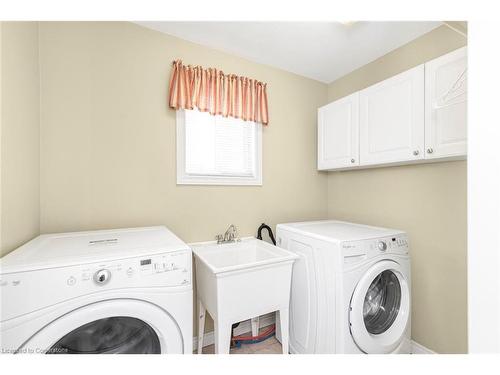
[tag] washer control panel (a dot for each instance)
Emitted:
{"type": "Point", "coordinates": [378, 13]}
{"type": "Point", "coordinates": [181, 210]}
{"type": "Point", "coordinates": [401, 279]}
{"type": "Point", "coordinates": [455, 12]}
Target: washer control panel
{"type": "Point", "coordinates": [396, 244]}
{"type": "Point", "coordinates": [357, 251]}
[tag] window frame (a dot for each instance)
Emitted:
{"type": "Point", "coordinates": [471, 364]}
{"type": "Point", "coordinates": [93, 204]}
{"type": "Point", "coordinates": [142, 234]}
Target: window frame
{"type": "Point", "coordinates": [184, 178]}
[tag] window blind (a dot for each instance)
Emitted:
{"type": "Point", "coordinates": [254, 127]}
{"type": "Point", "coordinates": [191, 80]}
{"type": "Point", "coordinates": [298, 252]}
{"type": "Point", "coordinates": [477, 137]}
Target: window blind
{"type": "Point", "coordinates": [219, 146]}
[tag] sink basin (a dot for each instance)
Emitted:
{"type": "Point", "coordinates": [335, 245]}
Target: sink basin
{"type": "Point", "coordinates": [248, 253]}
{"type": "Point", "coordinates": [240, 281]}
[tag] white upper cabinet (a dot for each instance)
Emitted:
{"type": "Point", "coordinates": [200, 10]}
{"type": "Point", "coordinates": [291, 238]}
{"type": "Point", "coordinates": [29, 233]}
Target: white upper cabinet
{"type": "Point", "coordinates": [338, 133]}
{"type": "Point", "coordinates": [417, 116]}
{"type": "Point", "coordinates": [392, 119]}
{"type": "Point", "coordinates": [446, 105]}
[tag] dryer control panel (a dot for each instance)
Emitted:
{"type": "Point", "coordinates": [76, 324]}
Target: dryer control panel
{"type": "Point", "coordinates": [170, 269]}
{"type": "Point", "coordinates": [37, 289]}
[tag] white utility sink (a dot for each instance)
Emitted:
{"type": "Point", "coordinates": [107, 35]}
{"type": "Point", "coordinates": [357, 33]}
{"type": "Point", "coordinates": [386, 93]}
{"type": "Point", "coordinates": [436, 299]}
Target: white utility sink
{"type": "Point", "coordinates": [240, 281]}
{"type": "Point", "coordinates": [248, 253]}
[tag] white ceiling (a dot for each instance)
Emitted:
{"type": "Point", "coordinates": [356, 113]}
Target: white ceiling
{"type": "Point", "coordinates": [324, 51]}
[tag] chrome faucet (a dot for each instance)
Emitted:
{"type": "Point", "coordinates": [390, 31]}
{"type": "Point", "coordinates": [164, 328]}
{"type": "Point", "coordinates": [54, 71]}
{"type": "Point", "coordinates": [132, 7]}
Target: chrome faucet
{"type": "Point", "coordinates": [231, 235]}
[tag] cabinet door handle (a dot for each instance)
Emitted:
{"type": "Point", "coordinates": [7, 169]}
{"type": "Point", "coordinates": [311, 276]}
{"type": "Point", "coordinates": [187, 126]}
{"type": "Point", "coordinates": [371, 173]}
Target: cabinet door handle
{"type": "Point", "coordinates": [416, 152]}
{"type": "Point", "coordinates": [430, 150]}
{"type": "Point", "coordinates": [352, 160]}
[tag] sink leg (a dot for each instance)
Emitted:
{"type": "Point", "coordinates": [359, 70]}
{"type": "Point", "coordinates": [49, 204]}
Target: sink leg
{"type": "Point", "coordinates": [284, 329]}
{"type": "Point", "coordinates": [222, 337]}
{"type": "Point", "coordinates": [255, 326]}
{"type": "Point", "coordinates": [201, 325]}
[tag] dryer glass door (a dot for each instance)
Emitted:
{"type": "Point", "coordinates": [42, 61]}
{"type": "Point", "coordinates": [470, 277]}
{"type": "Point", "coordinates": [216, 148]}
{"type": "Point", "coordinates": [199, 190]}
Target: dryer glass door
{"type": "Point", "coordinates": [116, 335]}
{"type": "Point", "coordinates": [111, 326]}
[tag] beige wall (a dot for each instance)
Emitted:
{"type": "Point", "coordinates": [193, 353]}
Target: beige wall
{"type": "Point", "coordinates": [428, 201]}
{"type": "Point", "coordinates": [20, 125]}
{"type": "Point", "coordinates": [108, 139]}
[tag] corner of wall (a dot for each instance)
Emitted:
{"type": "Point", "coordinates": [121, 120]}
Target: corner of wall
{"type": "Point", "coordinates": [1, 125]}
{"type": "Point", "coordinates": [429, 202]}
{"type": "Point", "coordinates": [39, 129]}
{"type": "Point", "coordinates": [19, 134]}
{"type": "Point", "coordinates": [435, 43]}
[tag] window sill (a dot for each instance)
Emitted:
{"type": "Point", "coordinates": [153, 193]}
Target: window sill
{"type": "Point", "coordinates": [225, 181]}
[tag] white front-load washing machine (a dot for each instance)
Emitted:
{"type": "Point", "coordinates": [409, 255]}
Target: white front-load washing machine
{"type": "Point", "coordinates": [111, 291]}
{"type": "Point", "coordinates": [350, 288]}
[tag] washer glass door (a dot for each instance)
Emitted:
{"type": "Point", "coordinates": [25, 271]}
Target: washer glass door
{"type": "Point", "coordinates": [382, 302]}
{"type": "Point", "coordinates": [117, 335]}
{"type": "Point", "coordinates": [380, 308]}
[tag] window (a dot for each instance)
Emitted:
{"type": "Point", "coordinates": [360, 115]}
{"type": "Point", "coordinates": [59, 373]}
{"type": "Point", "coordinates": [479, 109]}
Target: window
{"type": "Point", "coordinates": [216, 150]}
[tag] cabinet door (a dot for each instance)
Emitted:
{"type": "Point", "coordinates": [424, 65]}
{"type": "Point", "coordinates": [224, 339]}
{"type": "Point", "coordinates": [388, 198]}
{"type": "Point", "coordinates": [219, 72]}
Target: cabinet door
{"type": "Point", "coordinates": [446, 105]}
{"type": "Point", "coordinates": [338, 133]}
{"type": "Point", "coordinates": [392, 119]}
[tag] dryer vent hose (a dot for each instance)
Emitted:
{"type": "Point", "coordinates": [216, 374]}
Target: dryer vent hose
{"type": "Point", "coordinates": [269, 231]}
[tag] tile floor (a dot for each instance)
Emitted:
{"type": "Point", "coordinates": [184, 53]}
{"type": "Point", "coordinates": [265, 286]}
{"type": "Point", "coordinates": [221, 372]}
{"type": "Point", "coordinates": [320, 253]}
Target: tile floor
{"type": "Point", "coordinates": [269, 346]}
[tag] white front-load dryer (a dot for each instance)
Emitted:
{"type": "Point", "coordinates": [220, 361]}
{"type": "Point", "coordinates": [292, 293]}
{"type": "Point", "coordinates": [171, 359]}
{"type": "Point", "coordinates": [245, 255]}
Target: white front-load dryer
{"type": "Point", "coordinates": [112, 291]}
{"type": "Point", "coordinates": [350, 288]}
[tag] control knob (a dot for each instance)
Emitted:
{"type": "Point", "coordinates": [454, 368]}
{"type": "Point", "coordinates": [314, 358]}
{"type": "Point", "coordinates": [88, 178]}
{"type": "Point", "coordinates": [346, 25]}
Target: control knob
{"type": "Point", "coordinates": [382, 246]}
{"type": "Point", "coordinates": [101, 277]}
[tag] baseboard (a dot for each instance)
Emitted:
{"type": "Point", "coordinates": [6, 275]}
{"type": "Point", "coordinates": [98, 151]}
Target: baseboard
{"type": "Point", "coordinates": [244, 327]}
{"type": "Point", "coordinates": [268, 319]}
{"type": "Point", "coordinates": [416, 348]}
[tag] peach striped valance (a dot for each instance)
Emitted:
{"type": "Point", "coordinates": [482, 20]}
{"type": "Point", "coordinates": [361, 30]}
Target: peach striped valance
{"type": "Point", "coordinates": [210, 90]}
